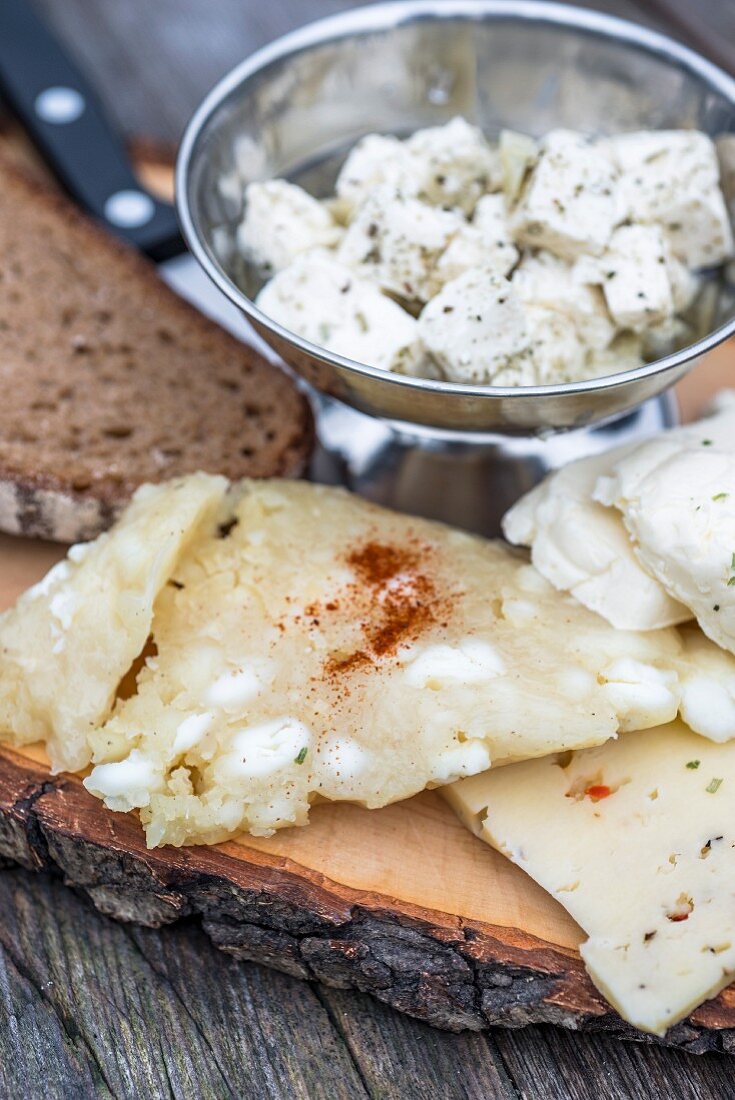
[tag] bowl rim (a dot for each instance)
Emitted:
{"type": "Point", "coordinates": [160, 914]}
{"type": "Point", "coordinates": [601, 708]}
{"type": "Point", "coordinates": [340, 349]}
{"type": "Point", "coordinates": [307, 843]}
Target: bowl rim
{"type": "Point", "coordinates": [385, 16]}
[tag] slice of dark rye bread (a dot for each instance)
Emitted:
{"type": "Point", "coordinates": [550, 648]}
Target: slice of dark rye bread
{"type": "Point", "coordinates": [108, 379]}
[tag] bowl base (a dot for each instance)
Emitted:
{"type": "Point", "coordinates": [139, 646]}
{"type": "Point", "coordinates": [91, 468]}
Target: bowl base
{"type": "Point", "coordinates": [468, 481]}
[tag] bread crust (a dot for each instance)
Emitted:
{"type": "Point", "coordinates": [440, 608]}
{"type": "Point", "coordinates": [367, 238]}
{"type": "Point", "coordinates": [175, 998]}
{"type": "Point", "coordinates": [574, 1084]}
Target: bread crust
{"type": "Point", "coordinates": [153, 358]}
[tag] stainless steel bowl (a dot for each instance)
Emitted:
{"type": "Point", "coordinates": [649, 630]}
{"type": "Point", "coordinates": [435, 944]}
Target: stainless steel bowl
{"type": "Point", "coordinates": [294, 109]}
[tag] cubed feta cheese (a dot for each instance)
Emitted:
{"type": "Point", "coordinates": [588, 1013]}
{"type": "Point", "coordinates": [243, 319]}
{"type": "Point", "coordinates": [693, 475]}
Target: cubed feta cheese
{"type": "Point", "coordinates": [397, 241]}
{"type": "Point", "coordinates": [554, 353]}
{"type": "Point", "coordinates": [545, 280]}
{"type": "Point", "coordinates": [281, 220]}
{"type": "Point", "coordinates": [456, 164]}
{"type": "Point", "coordinates": [326, 303]}
{"type": "Point", "coordinates": [518, 154]}
{"type": "Point", "coordinates": [671, 178]}
{"type": "Point", "coordinates": [623, 354]}
{"type": "Point", "coordinates": [374, 162]}
{"type": "Point", "coordinates": [484, 242]}
{"type": "Point", "coordinates": [474, 326]}
{"type": "Point", "coordinates": [570, 203]}
{"type": "Point", "coordinates": [635, 277]}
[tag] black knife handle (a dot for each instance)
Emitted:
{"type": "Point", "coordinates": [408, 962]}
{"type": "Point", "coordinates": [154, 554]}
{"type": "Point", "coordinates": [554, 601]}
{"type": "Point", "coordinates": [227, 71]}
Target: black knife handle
{"type": "Point", "coordinates": [66, 121]}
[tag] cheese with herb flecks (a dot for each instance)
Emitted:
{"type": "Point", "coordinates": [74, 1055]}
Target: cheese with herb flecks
{"type": "Point", "coordinates": [331, 304]}
{"type": "Point", "coordinates": [281, 221]}
{"type": "Point", "coordinates": [391, 655]}
{"type": "Point", "coordinates": [636, 839]}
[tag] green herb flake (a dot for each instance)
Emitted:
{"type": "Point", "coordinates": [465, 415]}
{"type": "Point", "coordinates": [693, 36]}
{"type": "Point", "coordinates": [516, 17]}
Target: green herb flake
{"type": "Point", "coordinates": [693, 764]}
{"type": "Point", "coordinates": [720, 496]}
{"type": "Point", "coordinates": [713, 786]}
{"type": "Point", "coordinates": [706, 442]}
{"type": "Point", "coordinates": [302, 757]}
{"type": "Point", "coordinates": [731, 582]}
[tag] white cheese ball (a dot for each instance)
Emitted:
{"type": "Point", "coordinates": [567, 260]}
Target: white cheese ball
{"type": "Point", "coordinates": [570, 202]}
{"type": "Point", "coordinates": [325, 302]}
{"type": "Point", "coordinates": [281, 221]}
{"type": "Point", "coordinates": [474, 326]}
{"type": "Point", "coordinates": [582, 547]}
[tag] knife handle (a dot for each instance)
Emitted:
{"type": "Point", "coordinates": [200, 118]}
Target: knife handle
{"type": "Point", "coordinates": [66, 121]}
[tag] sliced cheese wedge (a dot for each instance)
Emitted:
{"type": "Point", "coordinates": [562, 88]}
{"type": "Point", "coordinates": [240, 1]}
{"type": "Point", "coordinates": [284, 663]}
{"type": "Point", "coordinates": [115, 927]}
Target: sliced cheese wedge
{"type": "Point", "coordinates": [636, 839]}
{"type": "Point", "coordinates": [327, 648]}
{"type": "Point", "coordinates": [69, 641]}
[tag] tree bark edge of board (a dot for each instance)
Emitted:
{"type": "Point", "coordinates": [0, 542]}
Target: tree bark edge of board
{"type": "Point", "coordinates": [452, 973]}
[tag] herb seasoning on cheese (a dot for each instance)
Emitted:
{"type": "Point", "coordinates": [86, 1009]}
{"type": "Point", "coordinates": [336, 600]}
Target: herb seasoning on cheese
{"type": "Point", "coordinates": [644, 861]}
{"type": "Point", "coordinates": [526, 262]}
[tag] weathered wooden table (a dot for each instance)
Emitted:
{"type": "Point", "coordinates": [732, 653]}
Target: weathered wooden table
{"type": "Point", "coordinates": [91, 1008]}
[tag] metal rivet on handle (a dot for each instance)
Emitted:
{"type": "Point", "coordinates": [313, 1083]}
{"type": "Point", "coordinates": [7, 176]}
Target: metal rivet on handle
{"type": "Point", "coordinates": [129, 209]}
{"type": "Point", "coordinates": [59, 105]}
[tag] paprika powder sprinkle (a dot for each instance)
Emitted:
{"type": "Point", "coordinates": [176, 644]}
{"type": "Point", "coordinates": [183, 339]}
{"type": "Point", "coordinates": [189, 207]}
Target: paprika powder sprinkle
{"type": "Point", "coordinates": [401, 595]}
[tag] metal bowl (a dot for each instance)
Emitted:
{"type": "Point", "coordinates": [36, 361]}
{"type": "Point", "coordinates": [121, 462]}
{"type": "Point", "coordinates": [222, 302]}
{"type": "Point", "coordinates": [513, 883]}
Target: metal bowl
{"type": "Point", "coordinates": [296, 107]}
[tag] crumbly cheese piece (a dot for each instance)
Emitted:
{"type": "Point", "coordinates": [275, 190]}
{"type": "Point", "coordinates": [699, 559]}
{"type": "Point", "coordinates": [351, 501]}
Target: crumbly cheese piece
{"type": "Point", "coordinates": [518, 155]}
{"type": "Point", "coordinates": [474, 327]}
{"type": "Point", "coordinates": [582, 547]}
{"type": "Point", "coordinates": [374, 162]}
{"type": "Point", "coordinates": [554, 353]}
{"type": "Point", "coordinates": [396, 242]}
{"type": "Point", "coordinates": [569, 204]}
{"type": "Point", "coordinates": [636, 281]}
{"type": "Point", "coordinates": [456, 163]}
{"type": "Point", "coordinates": [69, 641]}
{"type": "Point", "coordinates": [623, 354]}
{"type": "Point", "coordinates": [281, 221]}
{"type": "Point", "coordinates": [483, 242]}
{"type": "Point", "coordinates": [676, 495]}
{"type": "Point", "coordinates": [389, 655]}
{"type": "Point", "coordinates": [671, 178]}
{"type": "Point", "coordinates": [636, 839]}
{"type": "Point", "coordinates": [541, 279]}
{"type": "Point", "coordinates": [666, 337]}
{"type": "Point", "coordinates": [326, 302]}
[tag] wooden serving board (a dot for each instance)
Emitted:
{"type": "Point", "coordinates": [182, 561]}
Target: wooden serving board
{"type": "Point", "coordinates": [402, 902]}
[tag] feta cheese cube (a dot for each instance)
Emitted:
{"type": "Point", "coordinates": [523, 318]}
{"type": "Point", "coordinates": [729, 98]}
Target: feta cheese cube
{"type": "Point", "coordinates": [456, 164]}
{"type": "Point", "coordinates": [474, 326]}
{"type": "Point", "coordinates": [636, 281]}
{"type": "Point", "coordinates": [623, 354]}
{"type": "Point", "coordinates": [570, 203]}
{"type": "Point", "coordinates": [545, 280]}
{"type": "Point", "coordinates": [374, 162]}
{"type": "Point", "coordinates": [397, 241]}
{"type": "Point", "coordinates": [671, 178]}
{"type": "Point", "coordinates": [323, 301]}
{"type": "Point", "coordinates": [484, 242]}
{"type": "Point", "coordinates": [518, 154]}
{"type": "Point", "coordinates": [281, 220]}
{"type": "Point", "coordinates": [554, 352]}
